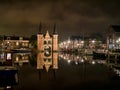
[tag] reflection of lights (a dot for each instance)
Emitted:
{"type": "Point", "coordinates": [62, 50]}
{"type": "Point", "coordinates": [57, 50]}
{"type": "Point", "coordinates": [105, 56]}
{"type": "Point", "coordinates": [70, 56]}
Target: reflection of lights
{"type": "Point", "coordinates": [78, 44]}
{"type": "Point", "coordinates": [82, 41]}
{"type": "Point", "coordinates": [82, 60]}
{"type": "Point", "coordinates": [118, 40]}
{"type": "Point", "coordinates": [61, 56]}
{"type": "Point", "coordinates": [64, 57]}
{"type": "Point", "coordinates": [77, 57]}
{"type": "Point", "coordinates": [101, 62]}
{"type": "Point", "coordinates": [20, 63]}
{"type": "Point", "coordinates": [76, 62]}
{"type": "Point", "coordinates": [69, 61]}
{"type": "Point", "coordinates": [117, 71]}
{"type": "Point", "coordinates": [47, 52]}
{"type": "Point", "coordinates": [66, 47]}
{"type": "Point", "coordinates": [68, 41]}
{"type": "Point", "coordinates": [85, 58]}
{"type": "Point", "coordinates": [17, 58]}
{"type": "Point", "coordinates": [93, 41]}
{"type": "Point", "coordinates": [17, 43]}
{"type": "Point", "coordinates": [8, 87]}
{"type": "Point", "coordinates": [64, 42]}
{"type": "Point", "coordinates": [93, 62]}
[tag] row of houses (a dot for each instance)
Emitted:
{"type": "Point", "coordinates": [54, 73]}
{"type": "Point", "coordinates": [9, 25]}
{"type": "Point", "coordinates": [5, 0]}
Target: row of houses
{"type": "Point", "coordinates": [113, 37]}
{"type": "Point", "coordinates": [111, 42]}
{"type": "Point", "coordinates": [13, 42]}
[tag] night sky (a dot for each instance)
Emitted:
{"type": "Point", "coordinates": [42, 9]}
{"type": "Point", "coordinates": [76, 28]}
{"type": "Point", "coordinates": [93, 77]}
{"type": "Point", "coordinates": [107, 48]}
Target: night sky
{"type": "Point", "coordinates": [72, 17]}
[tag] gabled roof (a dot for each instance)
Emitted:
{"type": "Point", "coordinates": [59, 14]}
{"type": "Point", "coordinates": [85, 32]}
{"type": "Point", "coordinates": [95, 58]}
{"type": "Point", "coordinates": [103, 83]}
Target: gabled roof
{"type": "Point", "coordinates": [116, 28]}
{"type": "Point", "coordinates": [47, 66]}
{"type": "Point", "coordinates": [47, 35]}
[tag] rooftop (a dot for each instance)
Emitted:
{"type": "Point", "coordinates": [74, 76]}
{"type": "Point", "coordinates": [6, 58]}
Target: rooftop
{"type": "Point", "coordinates": [116, 28]}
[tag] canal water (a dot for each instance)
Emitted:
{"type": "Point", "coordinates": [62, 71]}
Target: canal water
{"type": "Point", "coordinates": [75, 72]}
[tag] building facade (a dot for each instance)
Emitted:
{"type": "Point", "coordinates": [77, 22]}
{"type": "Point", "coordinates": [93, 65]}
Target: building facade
{"type": "Point", "coordinates": [113, 37]}
{"type": "Point", "coordinates": [80, 44]}
{"type": "Point", "coordinates": [14, 42]}
{"type": "Point", "coordinates": [47, 50]}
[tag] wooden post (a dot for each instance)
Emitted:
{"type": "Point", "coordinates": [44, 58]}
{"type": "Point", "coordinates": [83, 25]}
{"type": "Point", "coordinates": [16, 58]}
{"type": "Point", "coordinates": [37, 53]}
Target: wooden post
{"type": "Point", "coordinates": [39, 73]}
{"type": "Point", "coordinates": [115, 58]}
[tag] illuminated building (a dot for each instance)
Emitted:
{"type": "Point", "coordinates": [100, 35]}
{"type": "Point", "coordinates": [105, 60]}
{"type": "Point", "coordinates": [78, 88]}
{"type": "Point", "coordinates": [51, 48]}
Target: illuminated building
{"type": "Point", "coordinates": [21, 58]}
{"type": "Point", "coordinates": [48, 50]}
{"type": "Point", "coordinates": [113, 37]}
{"type": "Point", "coordinates": [14, 42]}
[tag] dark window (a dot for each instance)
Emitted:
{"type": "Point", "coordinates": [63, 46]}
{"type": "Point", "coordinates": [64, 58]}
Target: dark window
{"type": "Point", "coordinates": [49, 60]}
{"type": "Point", "coordinates": [45, 60]}
{"type": "Point", "coordinates": [45, 42]}
{"type": "Point", "coordinates": [49, 42]}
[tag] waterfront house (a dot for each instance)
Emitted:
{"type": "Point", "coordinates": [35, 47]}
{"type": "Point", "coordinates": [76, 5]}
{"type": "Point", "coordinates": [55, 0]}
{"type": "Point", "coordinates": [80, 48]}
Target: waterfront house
{"type": "Point", "coordinates": [113, 37]}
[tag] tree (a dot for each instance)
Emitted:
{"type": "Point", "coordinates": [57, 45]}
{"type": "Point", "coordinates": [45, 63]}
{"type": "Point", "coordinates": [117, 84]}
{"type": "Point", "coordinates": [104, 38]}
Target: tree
{"type": "Point", "coordinates": [97, 36]}
{"type": "Point", "coordinates": [33, 41]}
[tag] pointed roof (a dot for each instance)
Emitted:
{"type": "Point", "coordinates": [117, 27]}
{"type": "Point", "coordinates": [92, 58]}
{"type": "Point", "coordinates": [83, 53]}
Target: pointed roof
{"type": "Point", "coordinates": [40, 28]}
{"type": "Point", "coordinates": [47, 66]}
{"type": "Point", "coordinates": [116, 28]}
{"type": "Point", "coordinates": [54, 29]}
{"type": "Point", "coordinates": [47, 35]}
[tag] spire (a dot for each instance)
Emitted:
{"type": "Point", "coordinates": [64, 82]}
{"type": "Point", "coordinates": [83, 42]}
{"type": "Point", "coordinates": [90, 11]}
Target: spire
{"type": "Point", "coordinates": [47, 66]}
{"type": "Point", "coordinates": [47, 35]}
{"type": "Point", "coordinates": [54, 29]}
{"type": "Point", "coordinates": [40, 28]}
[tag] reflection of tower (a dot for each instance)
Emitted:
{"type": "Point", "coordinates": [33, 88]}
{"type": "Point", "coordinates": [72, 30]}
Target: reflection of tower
{"type": "Point", "coordinates": [55, 48]}
{"type": "Point", "coordinates": [55, 39]}
{"type": "Point", "coordinates": [47, 47]}
{"type": "Point", "coordinates": [110, 38]}
{"type": "Point", "coordinates": [40, 44]}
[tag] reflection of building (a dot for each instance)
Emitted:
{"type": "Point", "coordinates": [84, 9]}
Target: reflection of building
{"type": "Point", "coordinates": [20, 58]}
{"type": "Point", "coordinates": [5, 58]}
{"type": "Point", "coordinates": [47, 47]}
{"type": "Point", "coordinates": [15, 42]}
{"type": "Point", "coordinates": [113, 37]}
{"type": "Point", "coordinates": [78, 44]}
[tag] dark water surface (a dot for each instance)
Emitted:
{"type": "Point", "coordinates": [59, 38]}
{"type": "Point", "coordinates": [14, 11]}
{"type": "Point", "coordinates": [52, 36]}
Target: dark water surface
{"type": "Point", "coordinates": [69, 76]}
{"type": "Point", "coordinates": [83, 76]}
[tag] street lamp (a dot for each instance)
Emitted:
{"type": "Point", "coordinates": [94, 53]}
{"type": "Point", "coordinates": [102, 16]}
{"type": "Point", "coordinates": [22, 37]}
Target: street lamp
{"type": "Point", "coordinates": [93, 41]}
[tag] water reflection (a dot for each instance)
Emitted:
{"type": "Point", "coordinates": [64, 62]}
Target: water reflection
{"type": "Point", "coordinates": [21, 58]}
{"type": "Point", "coordinates": [75, 71]}
{"type": "Point", "coordinates": [87, 59]}
{"type": "Point", "coordinates": [77, 59]}
{"type": "Point", "coordinates": [41, 62]}
{"type": "Point", "coordinates": [47, 62]}
{"type": "Point", "coordinates": [117, 71]}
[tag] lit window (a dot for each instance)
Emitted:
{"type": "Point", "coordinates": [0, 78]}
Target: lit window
{"type": "Point", "coordinates": [17, 43]}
